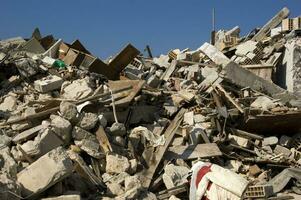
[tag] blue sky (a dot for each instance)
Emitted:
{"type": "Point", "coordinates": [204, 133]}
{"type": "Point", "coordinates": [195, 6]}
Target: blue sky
{"type": "Point", "coordinates": [104, 27]}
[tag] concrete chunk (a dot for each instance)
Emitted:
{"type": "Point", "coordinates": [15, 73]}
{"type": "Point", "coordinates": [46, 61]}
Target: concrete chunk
{"type": "Point", "coordinates": [117, 129]}
{"type": "Point", "coordinates": [9, 104]}
{"type": "Point", "coordinates": [45, 172]}
{"type": "Point", "coordinates": [68, 111]}
{"type": "Point", "coordinates": [61, 127]}
{"type": "Point", "coordinates": [88, 121]}
{"type": "Point", "coordinates": [117, 164]}
{"type": "Point", "coordinates": [174, 175]}
{"type": "Point", "coordinates": [86, 141]}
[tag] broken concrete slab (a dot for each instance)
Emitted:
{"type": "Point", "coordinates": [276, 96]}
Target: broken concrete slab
{"type": "Point", "coordinates": [78, 89]}
{"type": "Point", "coordinates": [214, 54]}
{"type": "Point", "coordinates": [45, 172]}
{"type": "Point", "coordinates": [244, 78]}
{"type": "Point", "coordinates": [42, 144]}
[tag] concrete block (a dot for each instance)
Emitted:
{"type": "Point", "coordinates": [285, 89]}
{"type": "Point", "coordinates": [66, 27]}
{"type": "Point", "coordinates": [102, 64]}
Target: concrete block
{"type": "Point", "coordinates": [170, 109]}
{"type": "Point", "coordinates": [48, 83]}
{"type": "Point", "coordinates": [45, 172]}
{"type": "Point", "coordinates": [116, 178]}
{"type": "Point", "coordinates": [78, 89]}
{"type": "Point", "coordinates": [258, 191]}
{"type": "Point", "coordinates": [198, 118]}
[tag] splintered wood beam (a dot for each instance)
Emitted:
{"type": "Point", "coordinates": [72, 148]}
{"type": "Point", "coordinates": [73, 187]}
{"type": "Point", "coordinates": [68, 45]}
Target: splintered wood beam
{"type": "Point", "coordinates": [153, 161]}
{"type": "Point", "coordinates": [272, 23]}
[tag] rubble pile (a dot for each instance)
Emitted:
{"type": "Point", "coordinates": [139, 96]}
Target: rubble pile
{"type": "Point", "coordinates": [218, 122]}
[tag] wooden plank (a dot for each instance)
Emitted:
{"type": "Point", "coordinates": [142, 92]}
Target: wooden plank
{"type": "Point", "coordinates": [147, 174]}
{"type": "Point", "coordinates": [136, 84]}
{"type": "Point", "coordinates": [272, 23]}
{"type": "Point", "coordinates": [169, 70]}
{"type": "Point", "coordinates": [245, 134]}
{"type": "Point", "coordinates": [258, 66]}
{"type": "Point", "coordinates": [193, 151]}
{"type": "Point", "coordinates": [103, 140]}
{"type": "Point", "coordinates": [230, 98]}
{"type": "Point", "coordinates": [28, 134]}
